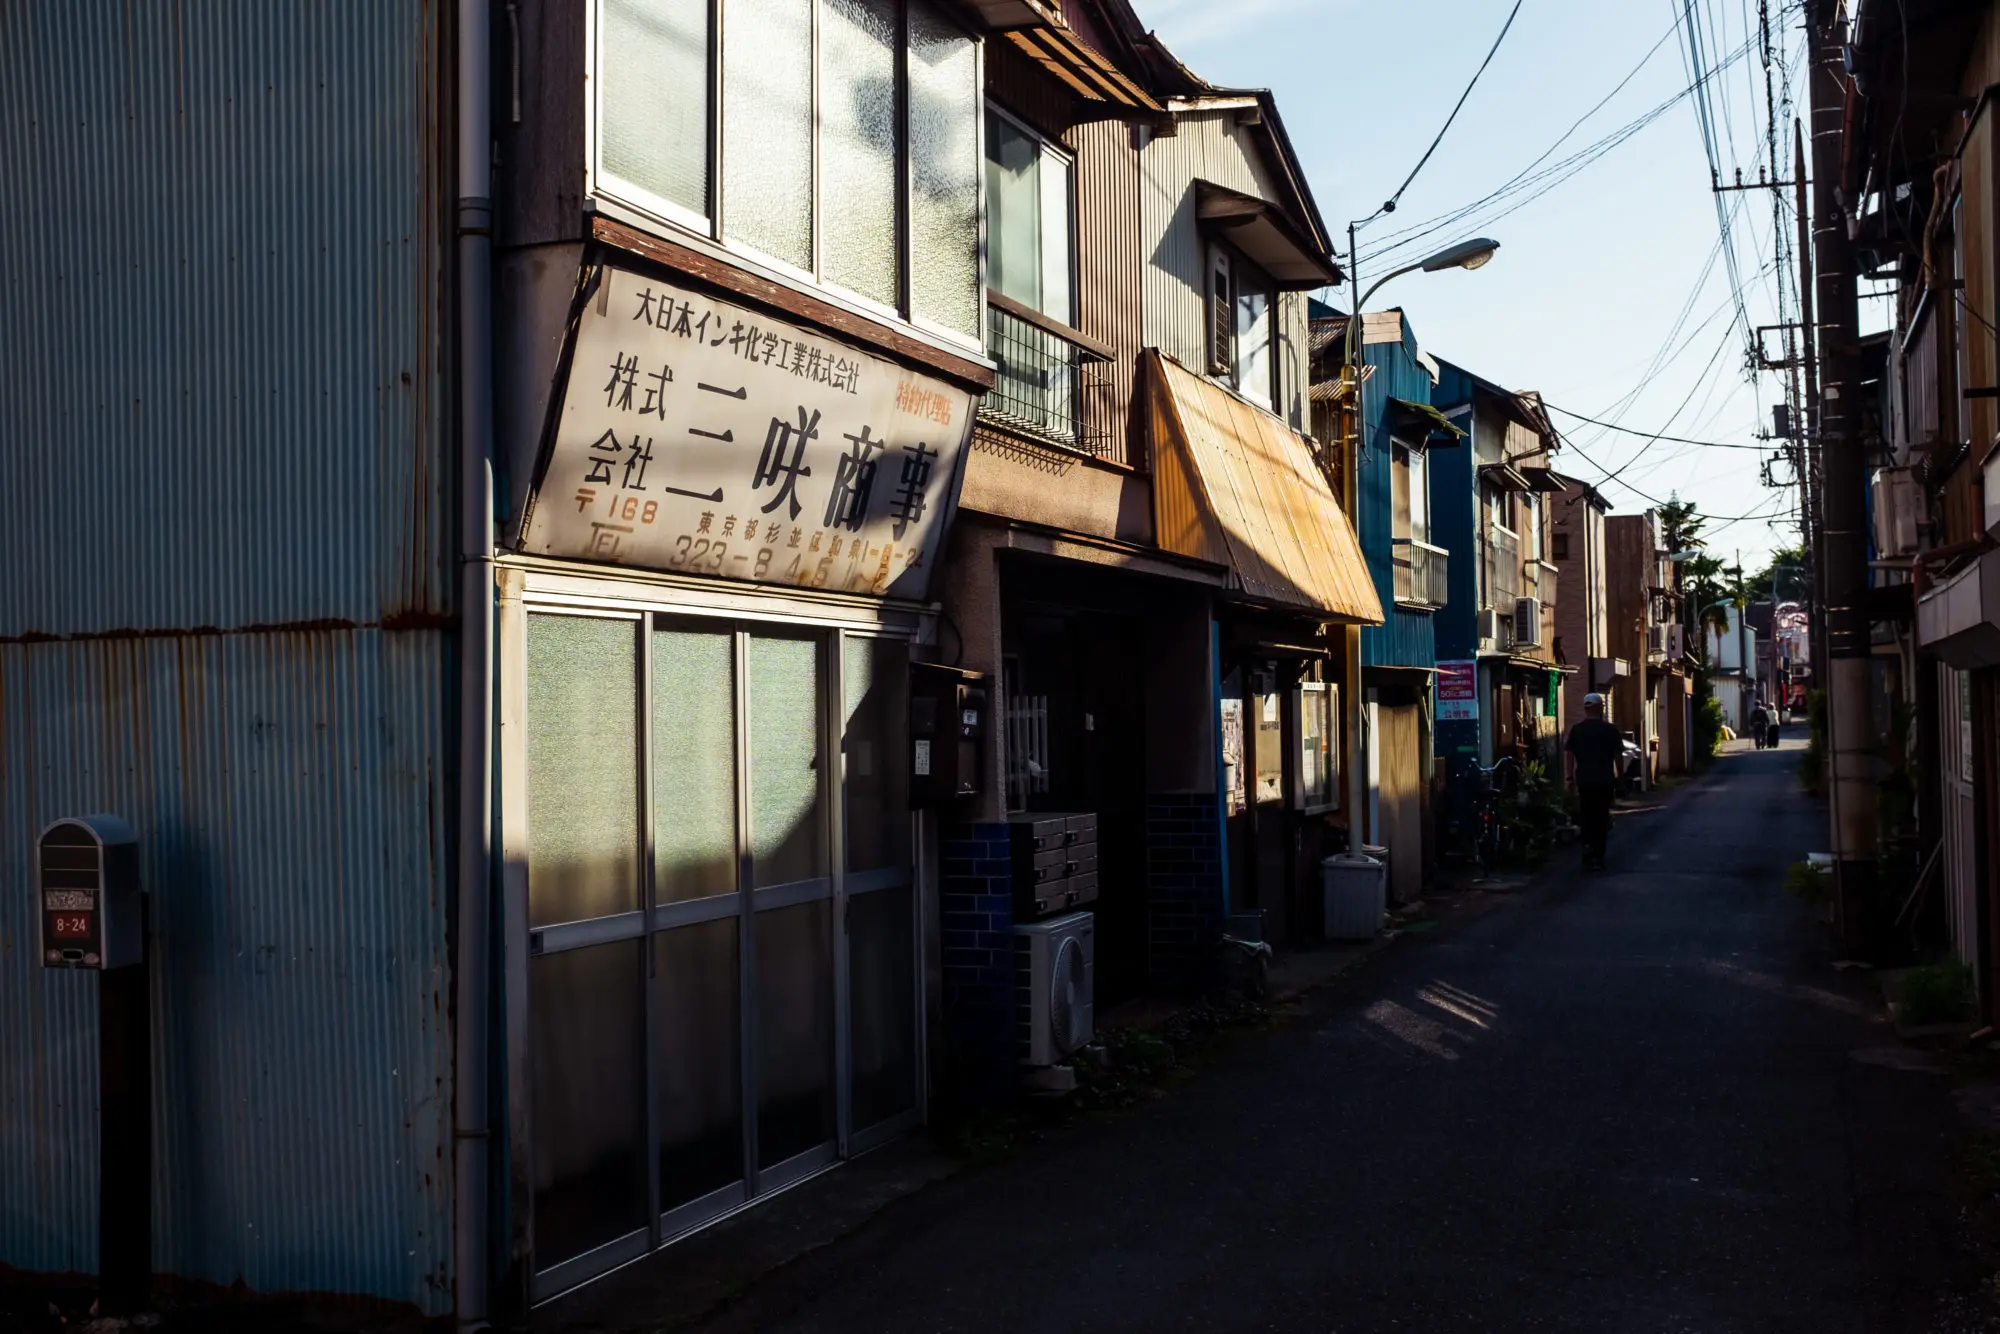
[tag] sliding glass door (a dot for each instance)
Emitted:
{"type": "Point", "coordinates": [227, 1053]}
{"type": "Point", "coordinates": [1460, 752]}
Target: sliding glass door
{"type": "Point", "coordinates": [722, 983]}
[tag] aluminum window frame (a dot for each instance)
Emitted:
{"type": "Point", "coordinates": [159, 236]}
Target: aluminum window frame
{"type": "Point", "coordinates": [1072, 219]}
{"type": "Point", "coordinates": [647, 610]}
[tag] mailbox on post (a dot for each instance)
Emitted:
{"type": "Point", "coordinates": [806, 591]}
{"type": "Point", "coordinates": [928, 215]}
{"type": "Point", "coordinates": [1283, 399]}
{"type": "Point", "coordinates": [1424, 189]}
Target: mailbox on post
{"type": "Point", "coordinates": [87, 874]}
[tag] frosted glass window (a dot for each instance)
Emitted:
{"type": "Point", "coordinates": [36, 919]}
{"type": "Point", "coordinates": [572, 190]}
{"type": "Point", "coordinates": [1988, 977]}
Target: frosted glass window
{"type": "Point", "coordinates": [1253, 341]}
{"type": "Point", "coordinates": [586, 1011]}
{"type": "Point", "coordinates": [654, 123]}
{"type": "Point", "coordinates": [697, 1058]}
{"type": "Point", "coordinates": [767, 126]}
{"type": "Point", "coordinates": [859, 139]}
{"type": "Point", "coordinates": [694, 764]}
{"type": "Point", "coordinates": [583, 768]}
{"type": "Point", "coordinates": [795, 1107]}
{"type": "Point", "coordinates": [1027, 219]}
{"type": "Point", "coordinates": [787, 835]}
{"type": "Point", "coordinates": [944, 171]}
{"type": "Point", "coordinates": [882, 1008]}
{"type": "Point", "coordinates": [1420, 495]}
{"type": "Point", "coordinates": [875, 747]}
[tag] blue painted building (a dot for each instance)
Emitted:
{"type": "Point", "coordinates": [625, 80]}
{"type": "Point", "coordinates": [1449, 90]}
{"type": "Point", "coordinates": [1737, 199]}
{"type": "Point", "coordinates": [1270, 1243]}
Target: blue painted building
{"type": "Point", "coordinates": [1490, 504]}
{"type": "Point", "coordinates": [1402, 432]}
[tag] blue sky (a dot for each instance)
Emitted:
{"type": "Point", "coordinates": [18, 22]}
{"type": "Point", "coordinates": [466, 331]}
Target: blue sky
{"type": "Point", "coordinates": [1592, 274]}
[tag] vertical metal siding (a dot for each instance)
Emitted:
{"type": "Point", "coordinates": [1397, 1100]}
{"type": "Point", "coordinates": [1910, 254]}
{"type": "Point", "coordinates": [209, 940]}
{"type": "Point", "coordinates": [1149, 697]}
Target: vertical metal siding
{"type": "Point", "coordinates": [1112, 264]}
{"type": "Point", "coordinates": [218, 307]}
{"type": "Point", "coordinates": [1205, 146]}
{"type": "Point", "coordinates": [285, 789]}
{"type": "Point", "coordinates": [227, 572]}
{"type": "Point", "coordinates": [1405, 638]}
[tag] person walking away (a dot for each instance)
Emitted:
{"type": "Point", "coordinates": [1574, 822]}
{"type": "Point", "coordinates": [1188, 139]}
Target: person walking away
{"type": "Point", "coordinates": [1593, 750]}
{"type": "Point", "coordinates": [1760, 724]}
{"type": "Point", "coordinates": [1774, 719]}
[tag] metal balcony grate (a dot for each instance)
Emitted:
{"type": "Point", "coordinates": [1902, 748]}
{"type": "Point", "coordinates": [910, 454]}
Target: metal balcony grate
{"type": "Point", "coordinates": [1046, 386]}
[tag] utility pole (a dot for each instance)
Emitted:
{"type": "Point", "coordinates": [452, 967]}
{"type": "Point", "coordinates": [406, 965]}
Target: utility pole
{"type": "Point", "coordinates": [1805, 456]}
{"type": "Point", "coordinates": [1843, 498]}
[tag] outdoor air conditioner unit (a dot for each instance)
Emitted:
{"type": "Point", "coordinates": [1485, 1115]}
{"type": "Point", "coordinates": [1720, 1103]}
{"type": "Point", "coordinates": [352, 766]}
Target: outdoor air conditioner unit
{"type": "Point", "coordinates": [1489, 625]}
{"type": "Point", "coordinates": [1528, 622]}
{"type": "Point", "coordinates": [1055, 961]}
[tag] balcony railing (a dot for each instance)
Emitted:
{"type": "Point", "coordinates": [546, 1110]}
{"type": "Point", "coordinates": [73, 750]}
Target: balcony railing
{"type": "Point", "coordinates": [1049, 382]}
{"type": "Point", "coordinates": [1420, 572]}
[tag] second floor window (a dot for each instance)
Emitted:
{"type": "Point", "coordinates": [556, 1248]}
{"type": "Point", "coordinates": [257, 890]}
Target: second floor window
{"type": "Point", "coordinates": [1411, 494]}
{"type": "Point", "coordinates": [841, 141]}
{"type": "Point", "coordinates": [1240, 313]}
{"type": "Point", "coordinates": [1029, 245]}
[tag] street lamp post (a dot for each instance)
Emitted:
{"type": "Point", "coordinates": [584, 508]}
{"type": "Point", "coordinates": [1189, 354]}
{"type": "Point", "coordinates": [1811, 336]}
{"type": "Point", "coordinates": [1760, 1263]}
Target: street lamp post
{"type": "Point", "coordinates": [1465, 255]}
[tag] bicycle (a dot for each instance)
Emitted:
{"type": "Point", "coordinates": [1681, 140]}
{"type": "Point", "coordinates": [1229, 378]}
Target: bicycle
{"type": "Point", "coordinates": [1493, 836]}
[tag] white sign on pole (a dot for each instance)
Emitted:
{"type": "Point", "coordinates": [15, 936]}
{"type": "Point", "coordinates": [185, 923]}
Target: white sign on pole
{"type": "Point", "coordinates": [699, 436]}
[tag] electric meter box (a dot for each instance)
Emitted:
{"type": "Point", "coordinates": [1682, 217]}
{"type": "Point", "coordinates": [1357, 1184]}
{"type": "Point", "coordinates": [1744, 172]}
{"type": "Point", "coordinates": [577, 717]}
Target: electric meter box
{"type": "Point", "coordinates": [87, 874]}
{"type": "Point", "coordinates": [948, 728]}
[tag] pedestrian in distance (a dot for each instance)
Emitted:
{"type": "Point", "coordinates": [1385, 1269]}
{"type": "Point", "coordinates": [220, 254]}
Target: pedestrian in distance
{"type": "Point", "coordinates": [1760, 724]}
{"type": "Point", "coordinates": [1774, 718]}
{"type": "Point", "coordinates": [1593, 751]}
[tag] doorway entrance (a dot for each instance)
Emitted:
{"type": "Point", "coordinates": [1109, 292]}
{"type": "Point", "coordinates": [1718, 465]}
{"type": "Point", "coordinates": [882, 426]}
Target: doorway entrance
{"type": "Point", "coordinates": [722, 982]}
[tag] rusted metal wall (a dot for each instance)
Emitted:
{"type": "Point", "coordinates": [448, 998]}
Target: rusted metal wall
{"type": "Point", "coordinates": [223, 617]}
{"type": "Point", "coordinates": [1111, 269]}
{"type": "Point", "coordinates": [223, 226]}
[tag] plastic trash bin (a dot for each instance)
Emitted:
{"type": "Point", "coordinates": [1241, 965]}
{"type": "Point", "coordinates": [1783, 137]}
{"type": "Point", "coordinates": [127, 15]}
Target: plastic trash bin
{"type": "Point", "coordinates": [1354, 890]}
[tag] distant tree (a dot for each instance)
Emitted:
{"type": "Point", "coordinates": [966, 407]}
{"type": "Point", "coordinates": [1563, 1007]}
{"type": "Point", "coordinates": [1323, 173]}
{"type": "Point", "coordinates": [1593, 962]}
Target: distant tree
{"type": "Point", "coordinates": [1783, 575]}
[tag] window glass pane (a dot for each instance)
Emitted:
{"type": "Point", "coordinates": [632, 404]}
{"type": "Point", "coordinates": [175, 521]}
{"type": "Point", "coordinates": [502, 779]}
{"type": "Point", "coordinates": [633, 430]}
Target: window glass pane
{"type": "Point", "coordinates": [767, 126]}
{"type": "Point", "coordinates": [858, 142]}
{"type": "Point", "coordinates": [1315, 745]}
{"type": "Point", "coordinates": [654, 63]}
{"type": "Point", "coordinates": [697, 1050]}
{"type": "Point", "coordinates": [694, 764]}
{"type": "Point", "coordinates": [1013, 212]}
{"type": "Point", "coordinates": [1270, 744]}
{"type": "Point", "coordinates": [1056, 239]}
{"type": "Point", "coordinates": [876, 682]}
{"type": "Point", "coordinates": [589, 1093]}
{"type": "Point", "coordinates": [583, 768]}
{"type": "Point", "coordinates": [1253, 342]}
{"type": "Point", "coordinates": [787, 840]}
{"type": "Point", "coordinates": [1420, 495]}
{"type": "Point", "coordinates": [882, 951]}
{"type": "Point", "coordinates": [944, 171]}
{"type": "Point", "coordinates": [795, 1030]}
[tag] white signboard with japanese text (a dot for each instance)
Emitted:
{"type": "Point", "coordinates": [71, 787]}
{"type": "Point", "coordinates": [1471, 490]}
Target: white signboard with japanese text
{"type": "Point", "coordinates": [702, 437]}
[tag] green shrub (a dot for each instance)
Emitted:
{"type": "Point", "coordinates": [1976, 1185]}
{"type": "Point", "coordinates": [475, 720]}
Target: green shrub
{"type": "Point", "coordinates": [1939, 993]}
{"type": "Point", "coordinates": [1707, 730]}
{"type": "Point", "coordinates": [1809, 882]}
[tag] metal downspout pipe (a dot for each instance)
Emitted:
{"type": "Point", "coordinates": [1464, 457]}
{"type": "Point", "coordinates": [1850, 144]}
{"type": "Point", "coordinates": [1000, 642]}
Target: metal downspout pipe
{"type": "Point", "coordinates": [472, 956]}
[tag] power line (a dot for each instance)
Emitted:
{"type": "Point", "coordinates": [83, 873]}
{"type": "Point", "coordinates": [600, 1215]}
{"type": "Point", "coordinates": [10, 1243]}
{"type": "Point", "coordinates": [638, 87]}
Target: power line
{"type": "Point", "coordinates": [1653, 435]}
{"type": "Point", "coordinates": [1390, 206]}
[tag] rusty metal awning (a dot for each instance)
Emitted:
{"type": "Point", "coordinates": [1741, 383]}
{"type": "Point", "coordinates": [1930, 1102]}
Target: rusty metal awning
{"type": "Point", "coordinates": [1420, 423]}
{"type": "Point", "coordinates": [1235, 486]}
{"type": "Point", "coordinates": [1542, 479]}
{"type": "Point", "coordinates": [1505, 476]}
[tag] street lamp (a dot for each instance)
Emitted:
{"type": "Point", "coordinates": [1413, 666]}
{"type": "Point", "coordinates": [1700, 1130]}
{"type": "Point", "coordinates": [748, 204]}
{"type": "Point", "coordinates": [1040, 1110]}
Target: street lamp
{"type": "Point", "coordinates": [1465, 255]}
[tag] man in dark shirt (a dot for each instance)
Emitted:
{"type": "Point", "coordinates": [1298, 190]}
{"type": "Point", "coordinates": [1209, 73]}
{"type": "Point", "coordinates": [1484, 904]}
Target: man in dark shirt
{"type": "Point", "coordinates": [1595, 747]}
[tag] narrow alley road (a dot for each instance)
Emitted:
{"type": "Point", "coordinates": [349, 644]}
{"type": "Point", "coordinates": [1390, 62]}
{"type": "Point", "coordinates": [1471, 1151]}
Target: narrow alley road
{"type": "Point", "coordinates": [1616, 1103]}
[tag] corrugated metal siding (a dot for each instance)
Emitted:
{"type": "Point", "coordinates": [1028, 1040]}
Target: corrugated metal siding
{"type": "Point", "coordinates": [217, 312]}
{"type": "Point", "coordinates": [285, 788]}
{"type": "Point", "coordinates": [220, 310]}
{"type": "Point", "coordinates": [1406, 638]}
{"type": "Point", "coordinates": [1111, 265]}
{"type": "Point", "coordinates": [1205, 146]}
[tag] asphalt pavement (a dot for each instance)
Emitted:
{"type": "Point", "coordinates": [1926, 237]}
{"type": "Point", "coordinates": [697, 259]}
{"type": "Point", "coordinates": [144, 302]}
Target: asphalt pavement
{"type": "Point", "coordinates": [1612, 1102]}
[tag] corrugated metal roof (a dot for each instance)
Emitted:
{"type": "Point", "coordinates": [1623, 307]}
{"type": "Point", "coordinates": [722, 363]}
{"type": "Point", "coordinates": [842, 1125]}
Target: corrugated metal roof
{"type": "Point", "coordinates": [288, 794]}
{"type": "Point", "coordinates": [1239, 484]}
{"type": "Point", "coordinates": [218, 308]}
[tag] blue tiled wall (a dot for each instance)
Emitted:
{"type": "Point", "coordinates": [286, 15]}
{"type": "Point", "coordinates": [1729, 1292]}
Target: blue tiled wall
{"type": "Point", "coordinates": [1184, 876]}
{"type": "Point", "coordinates": [976, 930]}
